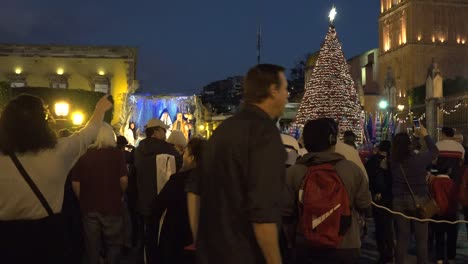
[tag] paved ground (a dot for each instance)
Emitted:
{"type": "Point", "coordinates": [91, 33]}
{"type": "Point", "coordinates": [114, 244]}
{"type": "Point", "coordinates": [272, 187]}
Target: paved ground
{"type": "Point", "coordinates": [370, 255]}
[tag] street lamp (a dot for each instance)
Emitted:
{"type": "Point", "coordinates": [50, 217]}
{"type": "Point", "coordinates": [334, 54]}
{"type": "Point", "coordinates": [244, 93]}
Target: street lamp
{"type": "Point", "coordinates": [77, 118]}
{"type": "Point", "coordinates": [401, 107]}
{"type": "Point", "coordinates": [383, 104]}
{"type": "Point", "coordinates": [62, 109]}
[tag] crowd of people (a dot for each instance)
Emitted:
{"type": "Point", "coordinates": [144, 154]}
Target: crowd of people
{"type": "Point", "coordinates": [247, 195]}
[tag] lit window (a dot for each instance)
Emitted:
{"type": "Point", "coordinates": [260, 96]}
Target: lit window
{"type": "Point", "coordinates": [17, 80]}
{"type": "Point", "coordinates": [17, 84]}
{"type": "Point", "coordinates": [59, 81]}
{"type": "Point", "coordinates": [363, 76]}
{"type": "Point", "coordinates": [101, 84]}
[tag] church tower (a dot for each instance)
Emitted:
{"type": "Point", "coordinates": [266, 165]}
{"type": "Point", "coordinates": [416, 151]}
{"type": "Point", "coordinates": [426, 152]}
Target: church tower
{"type": "Point", "coordinates": [413, 32]}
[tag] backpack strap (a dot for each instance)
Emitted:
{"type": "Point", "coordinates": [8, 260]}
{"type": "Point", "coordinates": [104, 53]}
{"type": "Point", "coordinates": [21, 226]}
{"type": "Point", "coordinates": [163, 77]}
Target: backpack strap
{"type": "Point", "coordinates": [31, 184]}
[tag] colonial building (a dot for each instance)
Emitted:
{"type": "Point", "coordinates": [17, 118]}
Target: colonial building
{"type": "Point", "coordinates": [413, 32]}
{"type": "Point", "coordinates": [364, 69]}
{"type": "Point", "coordinates": [109, 70]}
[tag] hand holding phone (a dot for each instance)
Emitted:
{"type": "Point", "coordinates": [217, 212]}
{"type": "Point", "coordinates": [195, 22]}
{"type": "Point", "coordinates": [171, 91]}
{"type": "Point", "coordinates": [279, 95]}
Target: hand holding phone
{"type": "Point", "coordinates": [416, 123]}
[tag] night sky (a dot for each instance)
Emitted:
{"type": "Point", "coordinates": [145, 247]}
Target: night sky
{"type": "Point", "coordinates": [184, 45]}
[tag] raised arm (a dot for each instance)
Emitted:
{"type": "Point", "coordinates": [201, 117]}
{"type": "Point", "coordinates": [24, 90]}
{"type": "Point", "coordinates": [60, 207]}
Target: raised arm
{"type": "Point", "coordinates": [71, 148]}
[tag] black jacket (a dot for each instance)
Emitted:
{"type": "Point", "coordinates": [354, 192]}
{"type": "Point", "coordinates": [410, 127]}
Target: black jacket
{"type": "Point", "coordinates": [145, 167]}
{"type": "Point", "coordinates": [380, 181]}
{"type": "Point", "coordinates": [175, 231]}
{"type": "Point", "coordinates": [241, 180]}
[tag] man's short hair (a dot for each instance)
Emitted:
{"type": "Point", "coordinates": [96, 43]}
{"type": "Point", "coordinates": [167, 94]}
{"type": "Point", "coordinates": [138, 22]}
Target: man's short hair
{"type": "Point", "coordinates": [320, 134]}
{"type": "Point", "coordinates": [385, 146]}
{"type": "Point", "coordinates": [258, 80]}
{"type": "Point", "coordinates": [448, 132]}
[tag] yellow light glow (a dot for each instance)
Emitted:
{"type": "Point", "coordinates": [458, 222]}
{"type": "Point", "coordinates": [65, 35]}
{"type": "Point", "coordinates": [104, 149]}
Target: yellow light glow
{"type": "Point", "coordinates": [463, 41]}
{"type": "Point", "coordinates": [419, 38]}
{"type": "Point", "coordinates": [60, 71]}
{"type": "Point", "coordinates": [62, 109]}
{"type": "Point", "coordinates": [401, 107]}
{"type": "Point", "coordinates": [201, 127]}
{"type": "Point", "coordinates": [18, 70]}
{"type": "Point", "coordinates": [433, 38]}
{"type": "Point", "coordinates": [442, 40]}
{"type": "Point", "coordinates": [101, 72]}
{"type": "Point", "coordinates": [77, 118]}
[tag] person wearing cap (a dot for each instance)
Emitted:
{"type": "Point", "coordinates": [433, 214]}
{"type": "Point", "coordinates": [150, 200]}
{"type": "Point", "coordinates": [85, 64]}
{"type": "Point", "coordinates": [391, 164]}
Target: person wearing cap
{"type": "Point", "coordinates": [146, 168]}
{"type": "Point", "coordinates": [177, 138]}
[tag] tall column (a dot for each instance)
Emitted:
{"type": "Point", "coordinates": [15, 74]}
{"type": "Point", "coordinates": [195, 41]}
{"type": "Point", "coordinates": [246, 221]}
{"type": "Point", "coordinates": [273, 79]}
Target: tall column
{"type": "Point", "coordinates": [434, 91]}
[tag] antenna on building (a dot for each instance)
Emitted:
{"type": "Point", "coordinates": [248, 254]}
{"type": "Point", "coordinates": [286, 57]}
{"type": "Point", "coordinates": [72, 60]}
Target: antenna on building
{"type": "Point", "coordinates": [259, 33]}
{"type": "Point", "coordinates": [259, 43]}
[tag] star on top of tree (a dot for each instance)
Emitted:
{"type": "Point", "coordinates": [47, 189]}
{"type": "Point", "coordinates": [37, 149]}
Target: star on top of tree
{"type": "Point", "coordinates": [332, 14]}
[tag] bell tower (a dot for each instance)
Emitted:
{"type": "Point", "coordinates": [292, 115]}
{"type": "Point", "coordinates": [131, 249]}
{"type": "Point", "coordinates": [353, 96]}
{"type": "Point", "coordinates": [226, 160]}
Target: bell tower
{"type": "Point", "coordinates": [413, 32]}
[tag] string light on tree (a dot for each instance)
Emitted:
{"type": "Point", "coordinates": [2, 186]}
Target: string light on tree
{"type": "Point", "coordinates": [330, 90]}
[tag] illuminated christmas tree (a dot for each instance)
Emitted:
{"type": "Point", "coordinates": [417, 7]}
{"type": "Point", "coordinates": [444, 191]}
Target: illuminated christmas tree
{"type": "Point", "coordinates": [330, 90]}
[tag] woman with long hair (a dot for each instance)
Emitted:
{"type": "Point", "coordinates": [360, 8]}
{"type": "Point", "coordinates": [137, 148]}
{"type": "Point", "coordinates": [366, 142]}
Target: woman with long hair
{"type": "Point", "coordinates": [99, 180]}
{"type": "Point", "coordinates": [35, 165]}
{"type": "Point", "coordinates": [409, 170]}
{"type": "Point", "coordinates": [131, 134]}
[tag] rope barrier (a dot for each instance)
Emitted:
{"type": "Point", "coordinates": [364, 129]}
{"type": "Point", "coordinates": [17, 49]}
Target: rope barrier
{"type": "Point", "coordinates": [419, 219]}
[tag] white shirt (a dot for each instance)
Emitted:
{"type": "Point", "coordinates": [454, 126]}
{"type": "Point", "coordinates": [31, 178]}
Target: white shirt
{"type": "Point", "coordinates": [350, 154]}
{"type": "Point", "coordinates": [448, 145]}
{"type": "Point", "coordinates": [48, 169]}
{"type": "Point", "coordinates": [129, 136]}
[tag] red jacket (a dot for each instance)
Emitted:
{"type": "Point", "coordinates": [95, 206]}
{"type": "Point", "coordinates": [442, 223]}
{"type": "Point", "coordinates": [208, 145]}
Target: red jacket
{"type": "Point", "coordinates": [445, 193]}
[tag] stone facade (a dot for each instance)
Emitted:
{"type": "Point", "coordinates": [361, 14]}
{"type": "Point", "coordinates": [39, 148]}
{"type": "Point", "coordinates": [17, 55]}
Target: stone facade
{"type": "Point", "coordinates": [413, 32]}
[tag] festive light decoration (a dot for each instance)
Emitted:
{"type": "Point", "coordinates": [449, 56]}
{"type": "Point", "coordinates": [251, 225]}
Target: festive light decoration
{"type": "Point", "coordinates": [332, 14]}
{"type": "Point", "coordinates": [330, 91]}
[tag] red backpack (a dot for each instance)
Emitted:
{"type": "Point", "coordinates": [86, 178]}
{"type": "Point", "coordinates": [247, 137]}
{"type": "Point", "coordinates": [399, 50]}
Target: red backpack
{"type": "Point", "coordinates": [325, 214]}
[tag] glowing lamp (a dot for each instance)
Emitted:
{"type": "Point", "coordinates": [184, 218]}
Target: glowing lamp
{"type": "Point", "coordinates": [101, 72]}
{"type": "Point", "coordinates": [401, 107]}
{"type": "Point", "coordinates": [62, 109]}
{"type": "Point", "coordinates": [383, 104]}
{"type": "Point", "coordinates": [77, 118]}
{"type": "Point", "coordinates": [201, 127]}
{"type": "Point", "coordinates": [60, 71]}
{"type": "Point", "coordinates": [18, 70]}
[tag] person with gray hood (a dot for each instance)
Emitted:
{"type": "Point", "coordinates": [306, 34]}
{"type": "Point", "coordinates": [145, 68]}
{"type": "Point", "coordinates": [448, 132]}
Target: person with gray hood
{"type": "Point", "coordinates": [320, 137]}
{"type": "Point", "coordinates": [145, 164]}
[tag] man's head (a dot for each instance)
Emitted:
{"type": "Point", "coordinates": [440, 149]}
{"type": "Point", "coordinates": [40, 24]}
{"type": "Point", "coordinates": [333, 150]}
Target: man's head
{"type": "Point", "coordinates": [121, 142]}
{"type": "Point", "coordinates": [265, 85]}
{"type": "Point", "coordinates": [131, 125]}
{"type": "Point", "coordinates": [349, 138]}
{"type": "Point", "coordinates": [385, 146]}
{"type": "Point", "coordinates": [320, 135]}
{"type": "Point", "coordinates": [448, 133]}
{"type": "Point", "coordinates": [155, 128]}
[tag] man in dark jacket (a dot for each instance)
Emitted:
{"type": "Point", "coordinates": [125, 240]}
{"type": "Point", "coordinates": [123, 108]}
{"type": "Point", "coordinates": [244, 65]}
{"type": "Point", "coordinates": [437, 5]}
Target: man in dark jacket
{"type": "Point", "coordinates": [243, 176]}
{"type": "Point", "coordinates": [320, 138]}
{"type": "Point", "coordinates": [380, 183]}
{"type": "Point", "coordinates": [145, 165]}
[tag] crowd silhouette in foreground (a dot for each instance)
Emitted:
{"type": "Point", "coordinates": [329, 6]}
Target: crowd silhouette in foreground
{"type": "Point", "coordinates": [247, 195]}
